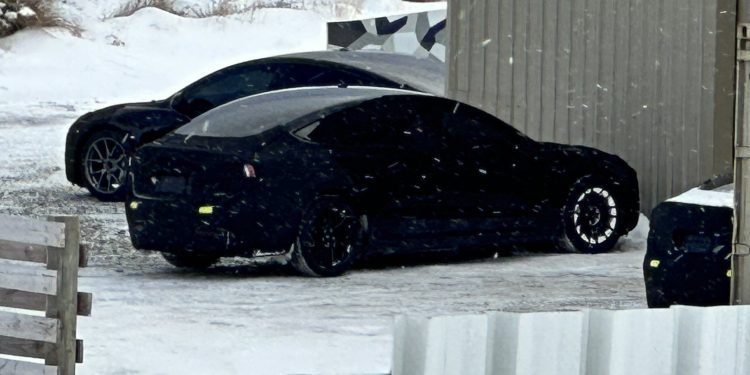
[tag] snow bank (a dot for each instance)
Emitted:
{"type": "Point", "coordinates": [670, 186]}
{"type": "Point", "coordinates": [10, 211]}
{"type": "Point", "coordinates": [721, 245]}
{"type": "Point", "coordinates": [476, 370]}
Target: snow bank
{"type": "Point", "coordinates": [151, 54]}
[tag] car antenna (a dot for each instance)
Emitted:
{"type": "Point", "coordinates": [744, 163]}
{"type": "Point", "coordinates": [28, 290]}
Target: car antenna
{"type": "Point", "coordinates": [343, 85]}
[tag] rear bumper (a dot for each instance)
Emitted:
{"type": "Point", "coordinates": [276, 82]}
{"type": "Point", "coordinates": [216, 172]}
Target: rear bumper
{"type": "Point", "coordinates": [688, 255]}
{"type": "Point", "coordinates": [177, 226]}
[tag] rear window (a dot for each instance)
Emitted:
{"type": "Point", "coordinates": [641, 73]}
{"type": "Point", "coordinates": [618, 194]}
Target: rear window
{"type": "Point", "coordinates": [255, 114]}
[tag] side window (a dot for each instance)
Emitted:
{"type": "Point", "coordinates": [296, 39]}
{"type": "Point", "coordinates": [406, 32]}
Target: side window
{"type": "Point", "coordinates": [223, 87]}
{"type": "Point", "coordinates": [390, 123]}
{"type": "Point", "coordinates": [469, 126]}
{"type": "Point", "coordinates": [301, 74]}
{"type": "Point", "coordinates": [358, 127]}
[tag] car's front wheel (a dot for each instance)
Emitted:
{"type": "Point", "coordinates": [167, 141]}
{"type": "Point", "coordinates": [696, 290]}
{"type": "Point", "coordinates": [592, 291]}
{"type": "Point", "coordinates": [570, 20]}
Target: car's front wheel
{"type": "Point", "coordinates": [104, 165]}
{"type": "Point", "coordinates": [188, 260]}
{"type": "Point", "coordinates": [329, 240]}
{"type": "Point", "coordinates": [592, 216]}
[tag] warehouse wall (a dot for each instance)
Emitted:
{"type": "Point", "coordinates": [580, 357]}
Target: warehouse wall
{"type": "Point", "coordinates": [649, 80]}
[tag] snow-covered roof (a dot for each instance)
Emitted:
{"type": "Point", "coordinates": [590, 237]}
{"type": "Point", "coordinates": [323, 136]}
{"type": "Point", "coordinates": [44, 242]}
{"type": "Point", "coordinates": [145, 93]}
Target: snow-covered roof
{"type": "Point", "coordinates": [722, 196]}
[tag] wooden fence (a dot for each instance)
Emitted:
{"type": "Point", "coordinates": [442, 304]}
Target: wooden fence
{"type": "Point", "coordinates": [39, 263]}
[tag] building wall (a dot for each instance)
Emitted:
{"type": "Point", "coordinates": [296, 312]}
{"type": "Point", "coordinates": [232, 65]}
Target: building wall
{"type": "Point", "coordinates": [649, 80]}
{"type": "Point", "coordinates": [420, 34]}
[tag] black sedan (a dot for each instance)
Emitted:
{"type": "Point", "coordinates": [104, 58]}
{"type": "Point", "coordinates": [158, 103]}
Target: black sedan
{"type": "Point", "coordinates": [328, 175]}
{"type": "Point", "coordinates": [687, 261]}
{"type": "Point", "coordinates": [99, 143]}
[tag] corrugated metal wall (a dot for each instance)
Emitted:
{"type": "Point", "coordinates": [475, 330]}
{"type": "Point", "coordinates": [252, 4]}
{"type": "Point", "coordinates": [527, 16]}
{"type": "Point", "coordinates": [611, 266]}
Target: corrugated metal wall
{"type": "Point", "coordinates": [649, 80]}
{"type": "Point", "coordinates": [678, 341]}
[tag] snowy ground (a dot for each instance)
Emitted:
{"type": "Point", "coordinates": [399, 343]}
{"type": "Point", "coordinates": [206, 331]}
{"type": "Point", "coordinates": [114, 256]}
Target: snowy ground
{"type": "Point", "coordinates": [239, 318]}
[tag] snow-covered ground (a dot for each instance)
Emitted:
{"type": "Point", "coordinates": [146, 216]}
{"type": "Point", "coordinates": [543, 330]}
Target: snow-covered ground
{"type": "Point", "coordinates": [239, 318]}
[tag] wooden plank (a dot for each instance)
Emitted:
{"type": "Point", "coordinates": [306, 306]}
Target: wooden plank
{"type": "Point", "coordinates": [20, 251]}
{"type": "Point", "coordinates": [12, 367]}
{"type": "Point", "coordinates": [595, 60]}
{"type": "Point", "coordinates": [32, 231]}
{"type": "Point", "coordinates": [491, 56]}
{"type": "Point", "coordinates": [23, 300]}
{"type": "Point", "coordinates": [549, 52]}
{"type": "Point", "coordinates": [38, 302]}
{"type": "Point", "coordinates": [505, 62]}
{"type": "Point", "coordinates": [520, 25]}
{"type": "Point", "coordinates": [27, 327]}
{"type": "Point", "coordinates": [476, 48]}
{"type": "Point", "coordinates": [66, 306]}
{"type": "Point", "coordinates": [25, 279]}
{"type": "Point", "coordinates": [577, 61]}
{"type": "Point", "coordinates": [605, 88]}
{"type": "Point", "coordinates": [562, 72]}
{"type": "Point", "coordinates": [25, 348]}
{"type": "Point", "coordinates": [621, 126]}
{"type": "Point", "coordinates": [535, 43]}
{"type": "Point", "coordinates": [83, 256]}
{"type": "Point", "coordinates": [85, 301]}
{"type": "Point", "coordinates": [79, 351]}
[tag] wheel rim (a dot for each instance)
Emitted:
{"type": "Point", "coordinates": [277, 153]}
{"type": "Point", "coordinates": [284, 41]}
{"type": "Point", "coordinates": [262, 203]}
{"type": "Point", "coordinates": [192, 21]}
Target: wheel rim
{"type": "Point", "coordinates": [595, 215]}
{"type": "Point", "coordinates": [104, 165]}
{"type": "Point", "coordinates": [333, 235]}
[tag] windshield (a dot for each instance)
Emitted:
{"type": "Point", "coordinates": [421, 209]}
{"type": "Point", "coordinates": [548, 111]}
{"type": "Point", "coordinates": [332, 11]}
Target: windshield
{"type": "Point", "coordinates": [255, 114]}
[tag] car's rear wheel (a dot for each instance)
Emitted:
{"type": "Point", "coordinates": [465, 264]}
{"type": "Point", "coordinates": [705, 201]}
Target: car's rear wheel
{"type": "Point", "coordinates": [104, 165]}
{"type": "Point", "coordinates": [329, 240]}
{"type": "Point", "coordinates": [592, 216]}
{"type": "Point", "coordinates": [189, 260]}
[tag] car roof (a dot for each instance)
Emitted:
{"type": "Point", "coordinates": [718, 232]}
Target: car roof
{"type": "Point", "coordinates": [423, 74]}
{"type": "Point", "coordinates": [283, 107]}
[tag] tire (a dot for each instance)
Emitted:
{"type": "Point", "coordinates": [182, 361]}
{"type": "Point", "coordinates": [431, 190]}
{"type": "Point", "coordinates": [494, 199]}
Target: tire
{"type": "Point", "coordinates": [329, 240]}
{"type": "Point", "coordinates": [104, 166]}
{"type": "Point", "coordinates": [187, 260]}
{"type": "Point", "coordinates": [593, 216]}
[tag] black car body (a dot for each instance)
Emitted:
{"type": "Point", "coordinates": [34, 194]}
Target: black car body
{"type": "Point", "coordinates": [420, 172]}
{"type": "Point", "coordinates": [100, 142]}
{"type": "Point", "coordinates": [689, 247]}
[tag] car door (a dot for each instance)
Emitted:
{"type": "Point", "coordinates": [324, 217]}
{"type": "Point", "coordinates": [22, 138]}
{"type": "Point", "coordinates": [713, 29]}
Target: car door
{"type": "Point", "coordinates": [387, 150]}
{"type": "Point", "coordinates": [494, 171]}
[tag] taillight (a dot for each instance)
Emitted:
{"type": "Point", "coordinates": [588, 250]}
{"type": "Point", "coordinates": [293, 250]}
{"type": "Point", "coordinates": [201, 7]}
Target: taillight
{"type": "Point", "coordinates": [249, 171]}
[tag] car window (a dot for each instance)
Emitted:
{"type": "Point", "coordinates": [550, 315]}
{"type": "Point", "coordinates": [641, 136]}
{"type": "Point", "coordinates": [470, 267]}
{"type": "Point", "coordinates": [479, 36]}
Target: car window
{"type": "Point", "coordinates": [307, 74]}
{"type": "Point", "coordinates": [231, 84]}
{"type": "Point", "coordinates": [470, 126]}
{"type": "Point", "coordinates": [253, 115]}
{"type": "Point", "coordinates": [392, 122]}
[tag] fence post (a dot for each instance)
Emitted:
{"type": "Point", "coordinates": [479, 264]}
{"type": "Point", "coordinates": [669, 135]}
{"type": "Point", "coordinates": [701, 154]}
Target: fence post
{"type": "Point", "coordinates": [64, 306]}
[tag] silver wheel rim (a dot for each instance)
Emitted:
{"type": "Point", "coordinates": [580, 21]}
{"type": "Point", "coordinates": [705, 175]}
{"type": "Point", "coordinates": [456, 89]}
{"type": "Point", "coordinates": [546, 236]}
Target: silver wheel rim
{"type": "Point", "coordinates": [104, 165]}
{"type": "Point", "coordinates": [595, 215]}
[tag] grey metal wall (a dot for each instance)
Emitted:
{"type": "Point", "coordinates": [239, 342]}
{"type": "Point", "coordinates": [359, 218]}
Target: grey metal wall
{"type": "Point", "coordinates": [649, 80]}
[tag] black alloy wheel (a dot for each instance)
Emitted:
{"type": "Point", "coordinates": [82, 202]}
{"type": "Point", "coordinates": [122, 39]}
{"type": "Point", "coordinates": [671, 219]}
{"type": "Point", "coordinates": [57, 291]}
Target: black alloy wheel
{"type": "Point", "coordinates": [329, 239]}
{"type": "Point", "coordinates": [104, 164]}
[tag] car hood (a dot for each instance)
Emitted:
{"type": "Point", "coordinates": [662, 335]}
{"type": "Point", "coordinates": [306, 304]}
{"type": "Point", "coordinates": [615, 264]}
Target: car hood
{"type": "Point", "coordinates": [114, 110]}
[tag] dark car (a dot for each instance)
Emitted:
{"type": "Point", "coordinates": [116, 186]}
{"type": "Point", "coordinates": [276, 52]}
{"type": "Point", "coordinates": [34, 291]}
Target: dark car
{"type": "Point", "coordinates": [328, 175]}
{"type": "Point", "coordinates": [688, 260]}
{"type": "Point", "coordinates": [99, 143]}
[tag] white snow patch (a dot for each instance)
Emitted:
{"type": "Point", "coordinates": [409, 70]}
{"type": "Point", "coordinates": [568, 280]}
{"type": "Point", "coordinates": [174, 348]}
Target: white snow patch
{"type": "Point", "coordinates": [720, 197]}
